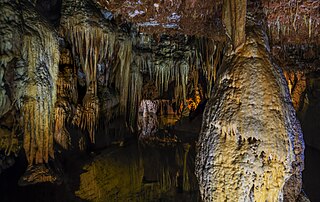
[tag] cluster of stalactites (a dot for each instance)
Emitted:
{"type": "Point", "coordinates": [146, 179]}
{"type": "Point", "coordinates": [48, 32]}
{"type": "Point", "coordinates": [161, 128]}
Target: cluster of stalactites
{"type": "Point", "coordinates": [40, 96]}
{"type": "Point", "coordinates": [208, 57]}
{"type": "Point", "coordinates": [292, 21]}
{"type": "Point", "coordinates": [66, 91]}
{"type": "Point", "coordinates": [205, 60]}
{"type": "Point", "coordinates": [93, 46]}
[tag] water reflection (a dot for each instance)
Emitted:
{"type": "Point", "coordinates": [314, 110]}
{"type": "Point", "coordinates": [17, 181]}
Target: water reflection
{"type": "Point", "coordinates": [139, 172]}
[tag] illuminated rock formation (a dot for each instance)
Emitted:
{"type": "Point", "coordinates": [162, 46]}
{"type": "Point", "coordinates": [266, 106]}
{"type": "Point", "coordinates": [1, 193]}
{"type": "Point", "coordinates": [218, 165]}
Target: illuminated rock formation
{"type": "Point", "coordinates": [67, 98]}
{"type": "Point", "coordinates": [34, 88]}
{"type": "Point", "coordinates": [250, 145]}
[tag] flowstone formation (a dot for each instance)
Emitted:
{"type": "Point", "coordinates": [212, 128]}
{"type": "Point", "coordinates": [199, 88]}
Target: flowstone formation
{"type": "Point", "coordinates": [33, 65]}
{"type": "Point", "coordinates": [250, 147]}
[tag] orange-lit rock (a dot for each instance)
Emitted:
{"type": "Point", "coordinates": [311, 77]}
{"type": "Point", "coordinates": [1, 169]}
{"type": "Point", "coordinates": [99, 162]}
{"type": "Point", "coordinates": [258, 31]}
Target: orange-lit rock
{"type": "Point", "coordinates": [34, 85]}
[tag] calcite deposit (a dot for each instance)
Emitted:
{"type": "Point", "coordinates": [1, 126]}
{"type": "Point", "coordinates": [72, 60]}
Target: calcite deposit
{"type": "Point", "coordinates": [34, 62]}
{"type": "Point", "coordinates": [250, 145]}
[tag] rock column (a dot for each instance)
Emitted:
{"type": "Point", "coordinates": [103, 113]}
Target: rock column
{"type": "Point", "coordinates": [250, 146]}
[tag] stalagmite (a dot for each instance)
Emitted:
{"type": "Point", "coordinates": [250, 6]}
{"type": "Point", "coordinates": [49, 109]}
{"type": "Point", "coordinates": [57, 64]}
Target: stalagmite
{"type": "Point", "coordinates": [250, 146]}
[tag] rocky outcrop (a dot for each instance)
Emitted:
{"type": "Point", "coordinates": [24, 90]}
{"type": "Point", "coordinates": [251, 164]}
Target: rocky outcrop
{"type": "Point", "coordinates": [250, 147]}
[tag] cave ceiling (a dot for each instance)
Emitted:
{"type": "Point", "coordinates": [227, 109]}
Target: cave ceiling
{"type": "Point", "coordinates": [289, 22]}
{"type": "Point", "coordinates": [293, 26]}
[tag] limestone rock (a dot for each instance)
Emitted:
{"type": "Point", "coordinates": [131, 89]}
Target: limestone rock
{"type": "Point", "coordinates": [250, 146]}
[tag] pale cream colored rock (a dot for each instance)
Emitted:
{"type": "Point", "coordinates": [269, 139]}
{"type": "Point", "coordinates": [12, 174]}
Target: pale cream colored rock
{"type": "Point", "coordinates": [250, 143]}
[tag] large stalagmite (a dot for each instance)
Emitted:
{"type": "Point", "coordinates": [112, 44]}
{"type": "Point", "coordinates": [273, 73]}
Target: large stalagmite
{"type": "Point", "coordinates": [250, 146]}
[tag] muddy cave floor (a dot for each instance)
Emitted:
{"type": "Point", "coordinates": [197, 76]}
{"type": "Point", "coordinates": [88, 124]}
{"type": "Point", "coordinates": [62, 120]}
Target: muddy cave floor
{"type": "Point", "coordinates": [154, 161]}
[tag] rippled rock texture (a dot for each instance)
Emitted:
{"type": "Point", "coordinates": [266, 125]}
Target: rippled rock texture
{"type": "Point", "coordinates": [30, 68]}
{"type": "Point", "coordinates": [250, 147]}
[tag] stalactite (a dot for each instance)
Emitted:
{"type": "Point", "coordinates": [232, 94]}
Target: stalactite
{"type": "Point", "coordinates": [40, 97]}
{"type": "Point", "coordinates": [94, 44]}
{"type": "Point", "coordinates": [34, 84]}
{"type": "Point", "coordinates": [66, 97]}
{"type": "Point", "coordinates": [61, 135]}
{"type": "Point", "coordinates": [135, 93]}
{"type": "Point", "coordinates": [208, 57]}
{"type": "Point", "coordinates": [234, 18]}
{"type": "Point", "coordinates": [122, 71]}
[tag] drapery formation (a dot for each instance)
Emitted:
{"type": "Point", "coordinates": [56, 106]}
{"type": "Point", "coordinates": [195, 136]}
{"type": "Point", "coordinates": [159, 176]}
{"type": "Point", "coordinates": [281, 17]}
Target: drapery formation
{"type": "Point", "coordinates": [33, 64]}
